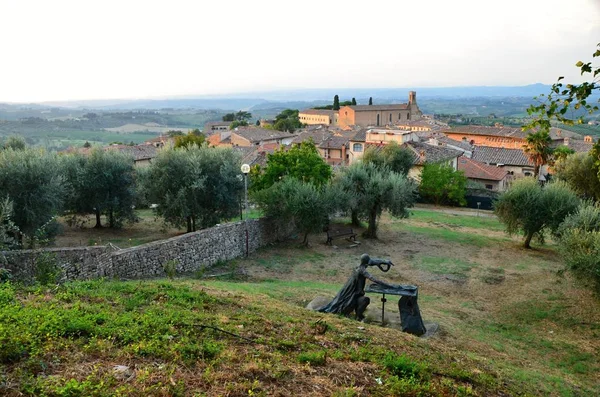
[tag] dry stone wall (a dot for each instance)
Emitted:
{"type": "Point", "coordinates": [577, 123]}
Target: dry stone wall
{"type": "Point", "coordinates": [190, 252]}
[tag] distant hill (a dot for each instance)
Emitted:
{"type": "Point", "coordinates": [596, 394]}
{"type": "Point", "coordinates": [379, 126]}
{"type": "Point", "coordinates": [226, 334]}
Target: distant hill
{"type": "Point", "coordinates": [264, 99]}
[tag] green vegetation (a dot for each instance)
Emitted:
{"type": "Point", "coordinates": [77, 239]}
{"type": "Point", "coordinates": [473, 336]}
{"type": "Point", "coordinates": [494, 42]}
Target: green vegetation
{"type": "Point", "coordinates": [444, 265]}
{"type": "Point", "coordinates": [100, 183]}
{"type": "Point", "coordinates": [441, 184]}
{"type": "Point", "coordinates": [580, 243]}
{"type": "Point", "coordinates": [392, 156]}
{"type": "Point", "coordinates": [531, 209]}
{"type": "Point", "coordinates": [580, 172]}
{"type": "Point", "coordinates": [437, 218]}
{"type": "Point", "coordinates": [370, 190]}
{"type": "Point", "coordinates": [301, 162]}
{"type": "Point", "coordinates": [32, 181]}
{"type": "Point", "coordinates": [196, 186]}
{"type": "Point", "coordinates": [288, 120]}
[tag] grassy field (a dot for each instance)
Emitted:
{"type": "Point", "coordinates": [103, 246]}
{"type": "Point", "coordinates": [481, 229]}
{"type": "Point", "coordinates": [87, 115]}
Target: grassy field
{"type": "Point", "coordinates": [509, 324]}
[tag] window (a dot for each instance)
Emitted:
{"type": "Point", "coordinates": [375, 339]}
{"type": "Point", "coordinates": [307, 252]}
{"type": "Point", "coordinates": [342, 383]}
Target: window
{"type": "Point", "coordinates": [407, 116]}
{"type": "Point", "coordinates": [399, 116]}
{"type": "Point", "coordinates": [390, 117]}
{"type": "Point", "coordinates": [378, 120]}
{"type": "Point", "coordinates": [357, 147]}
{"type": "Point", "coordinates": [489, 187]}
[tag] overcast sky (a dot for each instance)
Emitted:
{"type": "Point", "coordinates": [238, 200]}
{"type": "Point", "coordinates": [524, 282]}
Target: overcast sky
{"type": "Point", "coordinates": [89, 49]}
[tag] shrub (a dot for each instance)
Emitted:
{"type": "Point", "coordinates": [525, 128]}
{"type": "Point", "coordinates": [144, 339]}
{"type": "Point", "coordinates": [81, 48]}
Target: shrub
{"type": "Point", "coordinates": [46, 269]}
{"type": "Point", "coordinates": [580, 244]}
{"type": "Point", "coordinates": [531, 209]}
{"type": "Point", "coordinates": [441, 184]}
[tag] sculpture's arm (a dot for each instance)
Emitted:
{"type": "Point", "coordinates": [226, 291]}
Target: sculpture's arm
{"type": "Point", "coordinates": [377, 262]}
{"type": "Point", "coordinates": [377, 281]}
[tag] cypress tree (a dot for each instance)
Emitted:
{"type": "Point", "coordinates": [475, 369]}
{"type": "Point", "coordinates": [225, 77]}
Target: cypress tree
{"type": "Point", "coordinates": [336, 103]}
{"type": "Point", "coordinates": [370, 100]}
{"type": "Point", "coordinates": [353, 101]}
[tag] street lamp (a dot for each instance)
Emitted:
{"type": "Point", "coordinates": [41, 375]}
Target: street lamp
{"type": "Point", "coordinates": [245, 171]}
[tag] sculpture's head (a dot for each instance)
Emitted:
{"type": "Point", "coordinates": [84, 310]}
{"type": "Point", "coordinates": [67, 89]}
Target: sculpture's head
{"type": "Point", "coordinates": [364, 260]}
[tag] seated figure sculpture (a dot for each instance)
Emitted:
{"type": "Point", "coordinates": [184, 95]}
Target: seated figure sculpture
{"type": "Point", "coordinates": [351, 297]}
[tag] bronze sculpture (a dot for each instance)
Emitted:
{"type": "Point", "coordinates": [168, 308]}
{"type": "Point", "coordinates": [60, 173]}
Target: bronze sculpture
{"type": "Point", "coordinates": [352, 295]}
{"type": "Point", "coordinates": [351, 298]}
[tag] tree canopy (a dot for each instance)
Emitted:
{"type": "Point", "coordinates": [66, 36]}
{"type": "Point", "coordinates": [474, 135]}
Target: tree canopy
{"type": "Point", "coordinates": [189, 139]}
{"type": "Point", "coordinates": [580, 172]}
{"type": "Point", "coordinates": [370, 190]}
{"type": "Point", "coordinates": [288, 120]}
{"type": "Point", "coordinates": [32, 180]}
{"type": "Point", "coordinates": [301, 162]}
{"type": "Point", "coordinates": [393, 156]}
{"type": "Point", "coordinates": [441, 184]}
{"type": "Point", "coordinates": [537, 148]}
{"type": "Point", "coordinates": [196, 186]}
{"type": "Point", "coordinates": [302, 203]}
{"type": "Point", "coordinates": [102, 183]}
{"type": "Point", "coordinates": [530, 209]}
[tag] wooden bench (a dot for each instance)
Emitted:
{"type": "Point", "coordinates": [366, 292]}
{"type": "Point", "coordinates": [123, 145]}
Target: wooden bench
{"type": "Point", "coordinates": [331, 234]}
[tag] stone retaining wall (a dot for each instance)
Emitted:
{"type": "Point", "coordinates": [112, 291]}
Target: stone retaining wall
{"type": "Point", "coordinates": [190, 252]}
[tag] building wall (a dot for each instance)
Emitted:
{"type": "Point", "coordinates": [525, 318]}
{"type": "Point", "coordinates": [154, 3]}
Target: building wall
{"type": "Point", "coordinates": [191, 252]}
{"type": "Point", "coordinates": [237, 140]}
{"type": "Point", "coordinates": [345, 116]}
{"type": "Point", "coordinates": [495, 186]}
{"type": "Point", "coordinates": [390, 136]}
{"type": "Point", "coordinates": [492, 141]}
{"type": "Point", "coordinates": [312, 119]}
{"type": "Point", "coordinates": [355, 155]}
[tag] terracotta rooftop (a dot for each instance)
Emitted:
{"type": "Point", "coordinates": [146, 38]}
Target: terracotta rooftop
{"type": "Point", "coordinates": [317, 136]}
{"type": "Point", "coordinates": [432, 154]}
{"type": "Point", "coordinates": [138, 152]}
{"type": "Point", "coordinates": [476, 170]}
{"type": "Point", "coordinates": [254, 134]}
{"type": "Point", "coordinates": [320, 112]}
{"type": "Point", "coordinates": [360, 136]}
{"type": "Point", "coordinates": [334, 142]}
{"type": "Point", "coordinates": [508, 132]}
{"type": "Point", "coordinates": [494, 155]}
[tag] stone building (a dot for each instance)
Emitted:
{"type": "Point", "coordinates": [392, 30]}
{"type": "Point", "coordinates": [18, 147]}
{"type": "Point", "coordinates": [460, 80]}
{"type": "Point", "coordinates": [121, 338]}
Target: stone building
{"type": "Point", "coordinates": [500, 136]}
{"type": "Point", "coordinates": [495, 179]}
{"type": "Point", "coordinates": [512, 160]}
{"type": "Point", "coordinates": [379, 115]}
{"type": "Point", "coordinates": [253, 136]}
{"type": "Point", "coordinates": [318, 116]}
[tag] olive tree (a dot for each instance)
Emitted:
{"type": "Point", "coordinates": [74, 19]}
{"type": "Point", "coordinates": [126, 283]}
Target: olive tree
{"type": "Point", "coordinates": [301, 203]}
{"type": "Point", "coordinates": [102, 183]}
{"type": "Point", "coordinates": [579, 243]}
{"type": "Point", "coordinates": [580, 172]}
{"type": "Point", "coordinates": [531, 209]}
{"type": "Point", "coordinates": [32, 181]}
{"type": "Point", "coordinates": [371, 190]}
{"type": "Point", "coordinates": [196, 186]}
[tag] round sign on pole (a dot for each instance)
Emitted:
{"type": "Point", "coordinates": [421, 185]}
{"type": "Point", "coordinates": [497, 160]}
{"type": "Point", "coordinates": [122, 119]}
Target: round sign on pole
{"type": "Point", "coordinates": [245, 168]}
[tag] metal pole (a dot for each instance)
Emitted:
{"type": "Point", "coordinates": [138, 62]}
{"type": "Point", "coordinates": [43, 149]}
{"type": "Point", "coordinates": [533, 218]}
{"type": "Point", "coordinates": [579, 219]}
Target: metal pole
{"type": "Point", "coordinates": [246, 204]}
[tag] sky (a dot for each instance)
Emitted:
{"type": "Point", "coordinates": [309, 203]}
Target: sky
{"type": "Point", "coordinates": [72, 50]}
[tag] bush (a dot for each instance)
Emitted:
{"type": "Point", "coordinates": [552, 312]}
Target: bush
{"type": "Point", "coordinates": [531, 209]}
{"type": "Point", "coordinates": [46, 269]}
{"type": "Point", "coordinates": [441, 184]}
{"type": "Point", "coordinates": [580, 244]}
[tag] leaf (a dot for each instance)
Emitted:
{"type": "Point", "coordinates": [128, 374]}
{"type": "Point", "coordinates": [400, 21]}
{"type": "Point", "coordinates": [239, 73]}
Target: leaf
{"type": "Point", "coordinates": [579, 64]}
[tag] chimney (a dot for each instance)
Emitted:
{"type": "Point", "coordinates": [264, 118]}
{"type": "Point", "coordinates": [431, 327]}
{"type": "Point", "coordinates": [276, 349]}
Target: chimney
{"type": "Point", "coordinates": [422, 156]}
{"type": "Point", "coordinates": [566, 141]}
{"type": "Point", "coordinates": [588, 139]}
{"type": "Point", "coordinates": [559, 133]}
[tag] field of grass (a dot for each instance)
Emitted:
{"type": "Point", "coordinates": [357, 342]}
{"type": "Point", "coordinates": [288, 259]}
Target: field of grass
{"type": "Point", "coordinates": [510, 324]}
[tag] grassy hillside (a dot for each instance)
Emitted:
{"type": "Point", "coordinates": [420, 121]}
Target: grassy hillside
{"type": "Point", "coordinates": [510, 324]}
